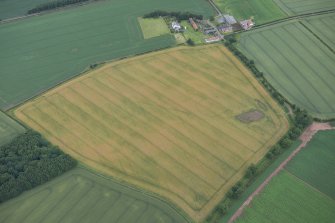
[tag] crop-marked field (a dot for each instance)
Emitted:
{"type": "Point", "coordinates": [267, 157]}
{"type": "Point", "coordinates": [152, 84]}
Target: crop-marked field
{"type": "Point", "coordinates": [293, 7]}
{"type": "Point", "coordinates": [304, 192]}
{"type": "Point", "coordinates": [262, 10]}
{"type": "Point", "coordinates": [82, 196]}
{"type": "Point", "coordinates": [165, 122]}
{"type": "Point", "coordinates": [8, 129]}
{"type": "Point", "coordinates": [39, 52]}
{"type": "Point", "coordinates": [153, 27]}
{"type": "Point", "coordinates": [297, 63]}
{"type": "Point", "coordinates": [14, 8]}
{"type": "Point", "coordinates": [323, 27]}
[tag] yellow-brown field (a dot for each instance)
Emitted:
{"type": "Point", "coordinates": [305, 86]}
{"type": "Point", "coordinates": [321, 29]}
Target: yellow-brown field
{"type": "Point", "coordinates": [165, 122]}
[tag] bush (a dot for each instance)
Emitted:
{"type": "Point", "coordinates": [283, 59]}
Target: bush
{"type": "Point", "coordinates": [190, 42]}
{"type": "Point", "coordinates": [251, 171]}
{"type": "Point", "coordinates": [178, 15]}
{"type": "Point", "coordinates": [52, 5]}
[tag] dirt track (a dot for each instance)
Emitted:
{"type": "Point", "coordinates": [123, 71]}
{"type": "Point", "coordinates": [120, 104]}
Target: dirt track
{"type": "Point", "coordinates": [305, 138]}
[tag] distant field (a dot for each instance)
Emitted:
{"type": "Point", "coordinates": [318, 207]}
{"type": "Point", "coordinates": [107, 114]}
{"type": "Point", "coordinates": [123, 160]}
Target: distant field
{"type": "Point", "coordinates": [153, 27]}
{"type": "Point", "coordinates": [165, 122]}
{"type": "Point", "coordinates": [304, 192]}
{"type": "Point", "coordinates": [294, 7]}
{"type": "Point", "coordinates": [81, 196]}
{"type": "Point", "coordinates": [15, 8]}
{"type": "Point", "coordinates": [297, 63]}
{"type": "Point", "coordinates": [262, 10]}
{"type": "Point", "coordinates": [316, 163]}
{"type": "Point", "coordinates": [288, 199]}
{"type": "Point", "coordinates": [8, 129]}
{"type": "Point", "coordinates": [323, 27]}
{"type": "Point", "coordinates": [42, 51]}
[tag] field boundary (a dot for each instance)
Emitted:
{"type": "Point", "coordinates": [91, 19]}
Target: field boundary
{"type": "Point", "coordinates": [305, 137]}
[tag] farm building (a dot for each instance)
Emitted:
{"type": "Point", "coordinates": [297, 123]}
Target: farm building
{"type": "Point", "coordinates": [225, 28]}
{"type": "Point", "coordinates": [213, 39]}
{"type": "Point", "coordinates": [247, 24]}
{"type": "Point", "coordinates": [194, 25]}
{"type": "Point", "coordinates": [176, 26]}
{"type": "Point", "coordinates": [229, 19]}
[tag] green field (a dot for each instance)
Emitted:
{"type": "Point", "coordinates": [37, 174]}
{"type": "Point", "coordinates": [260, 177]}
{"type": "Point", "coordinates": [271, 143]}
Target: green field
{"type": "Point", "coordinates": [324, 27]}
{"type": "Point", "coordinates": [45, 50]}
{"type": "Point", "coordinates": [14, 8]}
{"type": "Point", "coordinates": [315, 164]}
{"type": "Point", "coordinates": [296, 63]}
{"type": "Point", "coordinates": [82, 196]}
{"type": "Point", "coordinates": [8, 129]}
{"type": "Point", "coordinates": [153, 27]}
{"type": "Point", "coordinates": [288, 199]}
{"type": "Point", "coordinates": [304, 191]}
{"type": "Point", "coordinates": [262, 10]}
{"type": "Point", "coordinates": [294, 7]}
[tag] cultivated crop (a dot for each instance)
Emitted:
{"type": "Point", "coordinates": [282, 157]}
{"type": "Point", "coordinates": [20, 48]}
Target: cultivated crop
{"type": "Point", "coordinates": [83, 196]}
{"type": "Point", "coordinates": [293, 7]}
{"type": "Point", "coordinates": [63, 43]}
{"type": "Point", "coordinates": [288, 199]}
{"type": "Point", "coordinates": [167, 122]}
{"type": "Point", "coordinates": [296, 63]}
{"type": "Point", "coordinates": [261, 10]}
{"type": "Point", "coordinates": [304, 191]}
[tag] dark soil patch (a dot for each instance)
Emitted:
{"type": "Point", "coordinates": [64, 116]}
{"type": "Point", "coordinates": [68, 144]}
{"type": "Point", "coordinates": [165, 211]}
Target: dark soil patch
{"type": "Point", "coordinates": [250, 116]}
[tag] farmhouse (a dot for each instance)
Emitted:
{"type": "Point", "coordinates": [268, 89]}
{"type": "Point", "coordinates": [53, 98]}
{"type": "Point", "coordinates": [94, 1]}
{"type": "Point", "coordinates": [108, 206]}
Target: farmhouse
{"type": "Point", "coordinates": [194, 25]}
{"type": "Point", "coordinates": [176, 26]}
{"type": "Point", "coordinates": [247, 24]}
{"type": "Point", "coordinates": [213, 39]}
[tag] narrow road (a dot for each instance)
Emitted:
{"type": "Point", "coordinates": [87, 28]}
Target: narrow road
{"type": "Point", "coordinates": [306, 136]}
{"type": "Point", "coordinates": [218, 11]}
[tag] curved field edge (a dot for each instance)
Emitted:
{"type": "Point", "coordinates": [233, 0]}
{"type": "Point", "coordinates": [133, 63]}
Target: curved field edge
{"type": "Point", "coordinates": [84, 195]}
{"type": "Point", "coordinates": [195, 214]}
{"type": "Point", "coordinates": [9, 129]}
{"type": "Point", "coordinates": [64, 43]}
{"type": "Point", "coordinates": [303, 80]}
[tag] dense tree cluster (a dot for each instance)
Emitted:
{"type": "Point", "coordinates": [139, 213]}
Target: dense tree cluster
{"type": "Point", "coordinates": [28, 161]}
{"type": "Point", "coordinates": [178, 15]}
{"type": "Point", "coordinates": [54, 4]}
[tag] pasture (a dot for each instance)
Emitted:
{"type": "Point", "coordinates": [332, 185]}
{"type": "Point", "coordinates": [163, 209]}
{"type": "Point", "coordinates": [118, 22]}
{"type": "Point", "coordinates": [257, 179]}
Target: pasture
{"type": "Point", "coordinates": [303, 191]}
{"type": "Point", "coordinates": [38, 53]}
{"type": "Point", "coordinates": [153, 27]}
{"type": "Point", "coordinates": [9, 129]}
{"type": "Point", "coordinates": [83, 196]}
{"type": "Point", "coordinates": [296, 63]}
{"type": "Point", "coordinates": [261, 10]}
{"type": "Point", "coordinates": [288, 199]}
{"type": "Point", "coordinates": [165, 122]}
{"type": "Point", "coordinates": [294, 7]}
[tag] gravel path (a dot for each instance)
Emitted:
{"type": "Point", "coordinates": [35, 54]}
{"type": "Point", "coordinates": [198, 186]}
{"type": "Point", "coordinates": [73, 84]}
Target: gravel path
{"type": "Point", "coordinates": [305, 137]}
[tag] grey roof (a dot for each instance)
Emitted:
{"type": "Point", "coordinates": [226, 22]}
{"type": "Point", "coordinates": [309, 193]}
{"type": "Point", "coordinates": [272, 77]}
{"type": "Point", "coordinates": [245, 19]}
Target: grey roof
{"type": "Point", "coordinates": [229, 19]}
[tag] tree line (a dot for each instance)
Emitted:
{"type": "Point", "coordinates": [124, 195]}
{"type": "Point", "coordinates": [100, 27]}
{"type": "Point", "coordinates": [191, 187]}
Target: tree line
{"type": "Point", "coordinates": [28, 161]}
{"type": "Point", "coordinates": [300, 120]}
{"type": "Point", "coordinates": [54, 4]}
{"type": "Point", "coordinates": [178, 15]}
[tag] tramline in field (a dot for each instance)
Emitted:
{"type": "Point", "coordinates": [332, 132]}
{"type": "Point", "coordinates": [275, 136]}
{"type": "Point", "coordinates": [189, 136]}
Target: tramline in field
{"type": "Point", "coordinates": [165, 122]}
